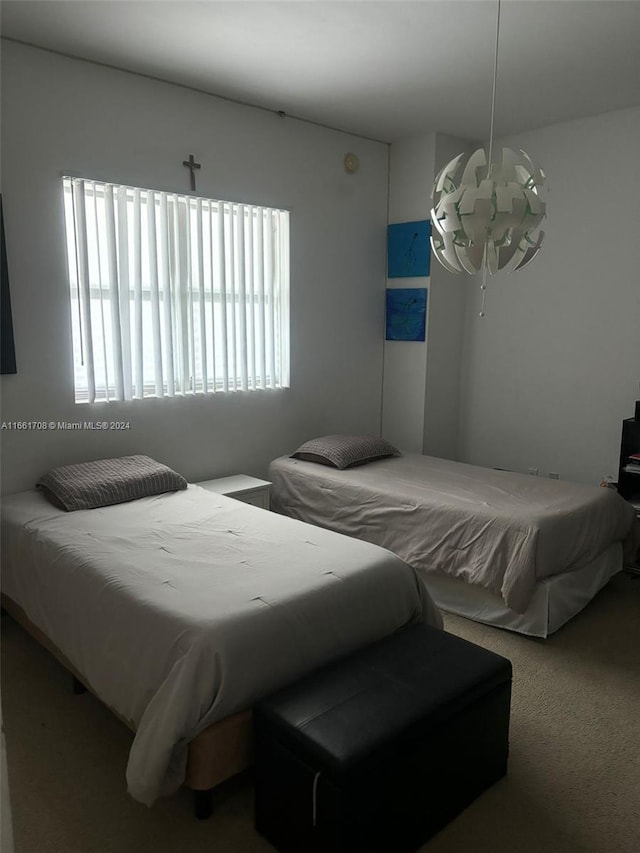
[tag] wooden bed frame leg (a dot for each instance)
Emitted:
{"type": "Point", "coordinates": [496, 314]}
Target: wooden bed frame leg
{"type": "Point", "coordinates": [78, 686]}
{"type": "Point", "coordinates": [203, 803]}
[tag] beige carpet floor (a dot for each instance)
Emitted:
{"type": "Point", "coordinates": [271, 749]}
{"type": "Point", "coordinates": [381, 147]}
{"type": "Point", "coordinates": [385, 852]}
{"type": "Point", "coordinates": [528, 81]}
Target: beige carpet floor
{"type": "Point", "coordinates": [574, 775]}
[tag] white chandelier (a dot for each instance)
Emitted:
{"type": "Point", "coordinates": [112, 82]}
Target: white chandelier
{"type": "Point", "coordinates": [485, 221]}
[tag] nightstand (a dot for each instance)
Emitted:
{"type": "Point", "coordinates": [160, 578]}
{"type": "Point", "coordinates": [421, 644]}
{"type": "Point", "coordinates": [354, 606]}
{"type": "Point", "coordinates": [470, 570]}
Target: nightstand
{"type": "Point", "coordinates": [249, 490]}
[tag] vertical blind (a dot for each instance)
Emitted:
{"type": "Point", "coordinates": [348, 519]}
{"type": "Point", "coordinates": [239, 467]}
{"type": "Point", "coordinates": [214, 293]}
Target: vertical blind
{"type": "Point", "coordinates": [174, 295]}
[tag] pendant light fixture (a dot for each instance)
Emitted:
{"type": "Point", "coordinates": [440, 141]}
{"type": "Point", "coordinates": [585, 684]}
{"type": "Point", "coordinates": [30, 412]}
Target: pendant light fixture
{"type": "Point", "coordinates": [486, 220]}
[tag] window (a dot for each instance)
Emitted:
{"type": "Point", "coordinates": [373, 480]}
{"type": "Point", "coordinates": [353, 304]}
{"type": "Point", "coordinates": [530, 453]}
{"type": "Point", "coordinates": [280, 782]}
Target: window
{"type": "Point", "coordinates": [174, 295]}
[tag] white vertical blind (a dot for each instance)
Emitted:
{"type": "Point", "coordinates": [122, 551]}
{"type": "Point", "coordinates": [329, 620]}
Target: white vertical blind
{"type": "Point", "coordinates": [174, 295]}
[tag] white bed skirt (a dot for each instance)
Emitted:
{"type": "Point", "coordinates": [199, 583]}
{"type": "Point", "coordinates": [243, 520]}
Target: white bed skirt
{"type": "Point", "coordinates": [555, 600]}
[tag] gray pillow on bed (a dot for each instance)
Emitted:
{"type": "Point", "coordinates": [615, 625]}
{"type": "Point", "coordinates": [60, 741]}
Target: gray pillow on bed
{"type": "Point", "coordinates": [88, 485]}
{"type": "Point", "coordinates": [345, 451]}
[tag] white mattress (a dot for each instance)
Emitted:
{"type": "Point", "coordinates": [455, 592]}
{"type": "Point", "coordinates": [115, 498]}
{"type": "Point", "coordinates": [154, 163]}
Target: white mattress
{"type": "Point", "coordinates": [184, 608]}
{"type": "Point", "coordinates": [499, 530]}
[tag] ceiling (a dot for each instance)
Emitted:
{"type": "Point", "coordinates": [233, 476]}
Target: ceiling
{"type": "Point", "coordinates": [384, 70]}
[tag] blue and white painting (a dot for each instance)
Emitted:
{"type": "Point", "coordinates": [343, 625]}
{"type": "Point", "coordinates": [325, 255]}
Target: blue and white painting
{"type": "Point", "coordinates": [408, 249]}
{"type": "Point", "coordinates": [406, 313]}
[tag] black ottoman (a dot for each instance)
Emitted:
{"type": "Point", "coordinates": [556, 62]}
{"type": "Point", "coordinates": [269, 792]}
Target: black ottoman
{"type": "Point", "coordinates": [377, 752]}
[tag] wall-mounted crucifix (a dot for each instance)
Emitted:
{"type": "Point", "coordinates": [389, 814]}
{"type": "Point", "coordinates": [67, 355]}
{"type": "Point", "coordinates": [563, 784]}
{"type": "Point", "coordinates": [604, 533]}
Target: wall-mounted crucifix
{"type": "Point", "coordinates": [192, 166]}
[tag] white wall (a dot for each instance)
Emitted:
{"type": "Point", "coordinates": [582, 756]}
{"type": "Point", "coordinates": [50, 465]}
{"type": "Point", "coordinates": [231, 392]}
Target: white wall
{"type": "Point", "coordinates": [421, 390]}
{"type": "Point", "coordinates": [61, 115]}
{"type": "Point", "coordinates": [546, 377]}
{"type": "Point", "coordinates": [449, 296]}
{"type": "Point", "coordinates": [554, 366]}
{"type": "Point", "coordinates": [405, 362]}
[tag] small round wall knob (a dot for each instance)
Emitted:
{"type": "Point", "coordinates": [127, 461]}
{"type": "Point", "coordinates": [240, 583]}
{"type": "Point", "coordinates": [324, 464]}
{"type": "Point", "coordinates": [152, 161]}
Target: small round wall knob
{"type": "Point", "coordinates": [351, 163]}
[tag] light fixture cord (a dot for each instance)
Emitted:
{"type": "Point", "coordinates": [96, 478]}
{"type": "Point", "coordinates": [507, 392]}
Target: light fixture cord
{"type": "Point", "coordinates": [493, 94]}
{"type": "Point", "coordinates": [493, 112]}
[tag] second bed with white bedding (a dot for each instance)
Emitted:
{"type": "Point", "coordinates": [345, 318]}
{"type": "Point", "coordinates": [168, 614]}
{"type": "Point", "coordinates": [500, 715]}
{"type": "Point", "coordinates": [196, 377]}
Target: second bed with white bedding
{"type": "Point", "coordinates": [498, 530]}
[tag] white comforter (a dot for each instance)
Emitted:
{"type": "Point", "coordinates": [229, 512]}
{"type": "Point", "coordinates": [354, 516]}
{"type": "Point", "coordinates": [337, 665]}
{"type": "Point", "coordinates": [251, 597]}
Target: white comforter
{"type": "Point", "coordinates": [501, 530]}
{"type": "Point", "coordinates": [182, 609]}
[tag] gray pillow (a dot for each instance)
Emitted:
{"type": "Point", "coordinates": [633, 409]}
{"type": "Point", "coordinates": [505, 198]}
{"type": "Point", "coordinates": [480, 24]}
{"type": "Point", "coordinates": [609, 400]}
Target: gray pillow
{"type": "Point", "coordinates": [345, 451]}
{"type": "Point", "coordinates": [88, 485]}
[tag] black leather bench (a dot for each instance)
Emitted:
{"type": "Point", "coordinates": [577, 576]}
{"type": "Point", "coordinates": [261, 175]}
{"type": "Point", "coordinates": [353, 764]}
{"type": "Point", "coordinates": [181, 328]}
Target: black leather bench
{"type": "Point", "coordinates": [377, 752]}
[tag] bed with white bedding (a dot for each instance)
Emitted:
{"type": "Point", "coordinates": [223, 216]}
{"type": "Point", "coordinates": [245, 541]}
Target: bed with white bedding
{"type": "Point", "coordinates": [521, 552]}
{"type": "Point", "coordinates": [182, 609]}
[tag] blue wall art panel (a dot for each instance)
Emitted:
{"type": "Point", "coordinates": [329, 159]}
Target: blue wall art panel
{"type": "Point", "coordinates": [406, 313]}
{"type": "Point", "coordinates": [408, 249]}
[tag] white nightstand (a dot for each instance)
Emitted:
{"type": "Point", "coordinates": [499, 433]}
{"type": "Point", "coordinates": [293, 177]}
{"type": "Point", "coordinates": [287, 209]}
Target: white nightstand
{"type": "Point", "coordinates": [249, 490]}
